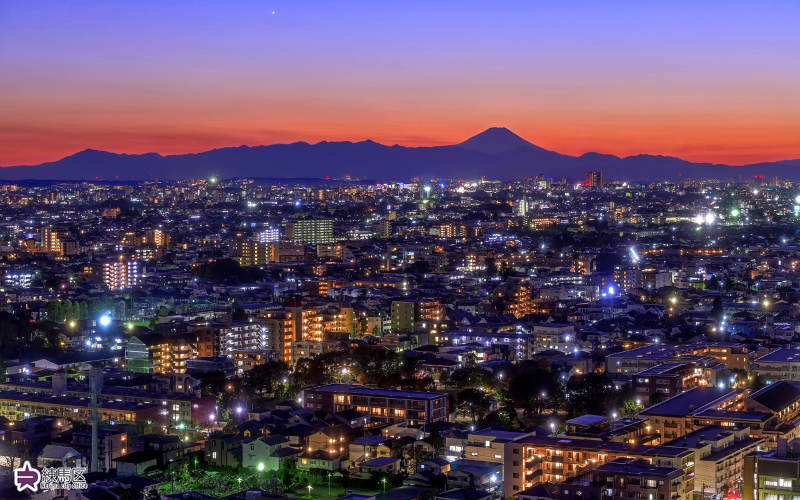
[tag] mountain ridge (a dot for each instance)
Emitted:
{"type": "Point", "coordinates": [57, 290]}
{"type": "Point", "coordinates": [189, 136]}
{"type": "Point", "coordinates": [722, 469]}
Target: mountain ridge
{"type": "Point", "coordinates": [496, 153]}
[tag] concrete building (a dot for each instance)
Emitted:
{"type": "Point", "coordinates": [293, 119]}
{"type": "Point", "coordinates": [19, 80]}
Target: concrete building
{"type": "Point", "coordinates": [120, 273]}
{"type": "Point", "coordinates": [774, 474]}
{"type": "Point", "coordinates": [625, 478]}
{"type": "Point", "coordinates": [310, 231]}
{"type": "Point", "coordinates": [780, 364]}
{"type": "Point", "coordinates": [718, 457]}
{"type": "Point", "coordinates": [382, 405]}
{"type": "Point", "coordinates": [251, 253]}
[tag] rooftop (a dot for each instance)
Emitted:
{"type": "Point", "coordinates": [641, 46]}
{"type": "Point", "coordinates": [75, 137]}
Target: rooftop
{"type": "Point", "coordinates": [781, 356]}
{"type": "Point", "coordinates": [368, 391]}
{"type": "Point", "coordinates": [690, 402]}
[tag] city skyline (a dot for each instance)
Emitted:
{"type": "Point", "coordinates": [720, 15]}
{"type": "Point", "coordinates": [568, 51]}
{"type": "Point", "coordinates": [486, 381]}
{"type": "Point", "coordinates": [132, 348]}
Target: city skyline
{"type": "Point", "coordinates": [709, 83]}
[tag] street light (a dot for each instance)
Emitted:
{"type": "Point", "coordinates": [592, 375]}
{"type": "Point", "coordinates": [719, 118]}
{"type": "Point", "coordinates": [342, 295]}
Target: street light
{"type": "Point", "coordinates": [329, 483]}
{"type": "Point", "coordinates": [384, 479]}
{"type": "Point", "coordinates": [309, 490]}
{"type": "Point", "coordinates": [104, 320]}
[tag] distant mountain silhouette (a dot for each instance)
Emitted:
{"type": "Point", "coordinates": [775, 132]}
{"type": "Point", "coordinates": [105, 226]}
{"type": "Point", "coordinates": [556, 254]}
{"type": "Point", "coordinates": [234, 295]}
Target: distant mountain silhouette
{"type": "Point", "coordinates": [496, 153]}
{"type": "Point", "coordinates": [497, 140]}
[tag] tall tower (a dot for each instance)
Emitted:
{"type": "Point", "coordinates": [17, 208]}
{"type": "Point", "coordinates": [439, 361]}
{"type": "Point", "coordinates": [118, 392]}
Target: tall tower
{"type": "Point", "coordinates": [594, 179]}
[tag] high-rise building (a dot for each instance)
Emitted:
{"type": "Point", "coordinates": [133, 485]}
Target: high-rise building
{"type": "Point", "coordinates": [158, 353]}
{"type": "Point", "coordinates": [627, 277]}
{"type": "Point", "coordinates": [385, 228]}
{"type": "Point", "coordinates": [292, 324]}
{"type": "Point", "coordinates": [157, 238]}
{"type": "Point", "coordinates": [252, 253]}
{"type": "Point", "coordinates": [280, 333]}
{"type": "Point", "coordinates": [430, 315]}
{"type": "Point", "coordinates": [594, 179]}
{"type": "Point", "coordinates": [521, 207]}
{"type": "Point", "coordinates": [311, 231]}
{"type": "Point", "coordinates": [444, 230]}
{"type": "Point", "coordinates": [269, 235]}
{"type": "Point", "coordinates": [58, 243]}
{"type": "Point", "coordinates": [307, 324]}
{"type": "Point", "coordinates": [121, 273]}
{"type": "Point", "coordinates": [51, 242]}
{"type": "Point", "coordinates": [403, 315]}
{"type": "Point", "coordinates": [240, 335]}
{"type": "Point", "coordinates": [287, 251]}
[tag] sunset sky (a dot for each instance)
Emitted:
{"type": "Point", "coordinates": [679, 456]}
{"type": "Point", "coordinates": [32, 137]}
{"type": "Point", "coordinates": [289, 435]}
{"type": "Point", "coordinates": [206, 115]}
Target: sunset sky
{"type": "Point", "coordinates": [706, 81]}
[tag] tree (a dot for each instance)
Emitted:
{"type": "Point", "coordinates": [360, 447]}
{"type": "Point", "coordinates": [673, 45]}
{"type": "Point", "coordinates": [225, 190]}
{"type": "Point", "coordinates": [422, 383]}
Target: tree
{"type": "Point", "coordinates": [83, 310]}
{"type": "Point", "coordinates": [629, 408]}
{"type": "Point", "coordinates": [472, 377]}
{"type": "Point", "coordinates": [756, 383]}
{"type": "Point", "coordinates": [262, 380]}
{"type": "Point", "coordinates": [213, 382]}
{"type": "Point", "coordinates": [435, 439]}
{"type": "Point", "coordinates": [228, 270]}
{"type": "Point", "coordinates": [10, 333]}
{"type": "Point", "coordinates": [50, 333]}
{"type": "Point", "coordinates": [534, 389]}
{"type": "Point", "coordinates": [591, 393]}
{"type": "Point", "coordinates": [474, 402]}
{"type": "Point", "coordinates": [287, 473]}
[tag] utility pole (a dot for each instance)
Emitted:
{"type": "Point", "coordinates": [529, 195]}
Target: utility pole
{"type": "Point", "coordinates": [93, 374]}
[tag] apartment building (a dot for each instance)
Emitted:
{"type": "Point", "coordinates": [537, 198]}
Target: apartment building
{"type": "Point", "coordinates": [520, 346]}
{"type": "Point", "coordinates": [310, 231]}
{"type": "Point", "coordinates": [624, 478]}
{"type": "Point", "coordinates": [558, 336]}
{"type": "Point", "coordinates": [158, 353]}
{"type": "Point", "coordinates": [773, 474]}
{"type": "Point", "coordinates": [382, 405]}
{"type": "Point", "coordinates": [311, 348]}
{"type": "Point", "coordinates": [666, 380]}
{"type": "Point", "coordinates": [646, 357]}
{"type": "Point", "coordinates": [17, 406]}
{"type": "Point", "coordinates": [533, 460]}
{"type": "Point", "coordinates": [121, 273]}
{"type": "Point", "coordinates": [718, 457]}
{"type": "Point", "coordinates": [780, 364]}
{"type": "Point", "coordinates": [240, 335]}
{"type": "Point", "coordinates": [676, 416]}
{"type": "Point", "coordinates": [489, 445]}
{"type": "Point", "coordinates": [251, 253]}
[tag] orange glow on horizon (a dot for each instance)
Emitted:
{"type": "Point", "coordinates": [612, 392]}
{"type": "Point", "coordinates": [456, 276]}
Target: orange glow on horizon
{"type": "Point", "coordinates": [696, 142]}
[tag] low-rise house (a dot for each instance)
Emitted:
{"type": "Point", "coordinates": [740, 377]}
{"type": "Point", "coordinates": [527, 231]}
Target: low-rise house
{"type": "Point", "coordinates": [381, 465]}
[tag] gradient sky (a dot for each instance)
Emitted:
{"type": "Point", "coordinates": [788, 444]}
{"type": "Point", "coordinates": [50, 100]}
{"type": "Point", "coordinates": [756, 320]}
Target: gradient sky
{"type": "Point", "coordinates": [706, 81]}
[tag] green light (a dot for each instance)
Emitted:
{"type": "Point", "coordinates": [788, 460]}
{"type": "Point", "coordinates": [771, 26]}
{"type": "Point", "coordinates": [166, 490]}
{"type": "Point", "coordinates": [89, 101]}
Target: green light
{"type": "Point", "coordinates": [735, 212]}
{"type": "Point", "coordinates": [260, 466]}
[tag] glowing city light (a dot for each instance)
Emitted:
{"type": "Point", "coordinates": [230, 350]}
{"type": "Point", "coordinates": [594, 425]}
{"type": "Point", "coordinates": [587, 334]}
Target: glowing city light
{"type": "Point", "coordinates": [104, 320]}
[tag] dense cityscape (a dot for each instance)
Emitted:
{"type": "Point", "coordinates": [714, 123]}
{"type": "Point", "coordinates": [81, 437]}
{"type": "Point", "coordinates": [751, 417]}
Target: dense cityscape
{"type": "Point", "coordinates": [433, 339]}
